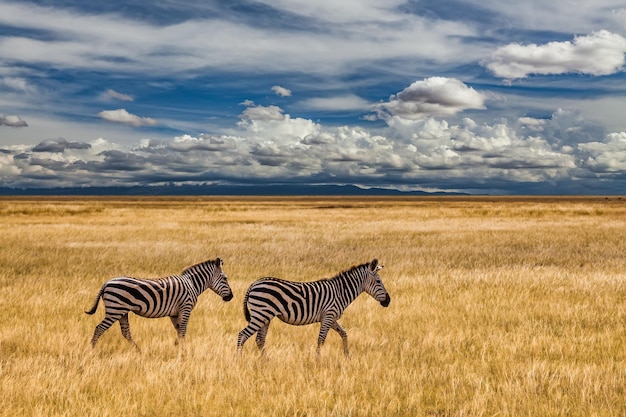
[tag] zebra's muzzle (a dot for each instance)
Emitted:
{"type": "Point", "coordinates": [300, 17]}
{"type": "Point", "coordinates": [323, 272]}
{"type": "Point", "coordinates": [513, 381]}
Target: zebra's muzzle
{"type": "Point", "coordinates": [227, 297]}
{"type": "Point", "coordinates": [386, 301]}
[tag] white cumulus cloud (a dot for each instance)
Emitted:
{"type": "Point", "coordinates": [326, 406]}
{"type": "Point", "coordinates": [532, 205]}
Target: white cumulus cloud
{"type": "Point", "coordinates": [608, 155]}
{"type": "Point", "coordinates": [435, 96]}
{"type": "Point", "coordinates": [600, 53]}
{"type": "Point", "coordinates": [122, 116]}
{"type": "Point", "coordinates": [338, 103]}
{"type": "Point", "coordinates": [271, 122]}
{"type": "Point", "coordinates": [118, 96]}
{"type": "Point", "coordinates": [12, 121]}
{"type": "Point", "coordinates": [188, 143]}
{"type": "Point", "coordinates": [281, 91]}
{"type": "Point", "coordinates": [262, 113]}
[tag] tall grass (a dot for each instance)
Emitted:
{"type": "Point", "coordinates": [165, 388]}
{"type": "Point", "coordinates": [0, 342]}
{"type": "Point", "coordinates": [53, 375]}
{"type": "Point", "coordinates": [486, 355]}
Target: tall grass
{"type": "Point", "coordinates": [508, 307]}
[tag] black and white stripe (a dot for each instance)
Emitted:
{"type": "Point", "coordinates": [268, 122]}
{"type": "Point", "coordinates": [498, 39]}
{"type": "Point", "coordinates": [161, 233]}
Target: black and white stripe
{"type": "Point", "coordinates": [300, 303]}
{"type": "Point", "coordinates": [173, 296]}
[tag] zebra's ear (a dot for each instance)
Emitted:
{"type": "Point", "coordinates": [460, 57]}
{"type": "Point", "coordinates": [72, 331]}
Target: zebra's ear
{"type": "Point", "coordinates": [219, 262]}
{"type": "Point", "coordinates": [373, 264]}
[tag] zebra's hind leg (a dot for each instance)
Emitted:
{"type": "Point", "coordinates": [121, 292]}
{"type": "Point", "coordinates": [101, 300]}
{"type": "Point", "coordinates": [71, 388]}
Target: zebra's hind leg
{"type": "Point", "coordinates": [101, 328]}
{"type": "Point", "coordinates": [125, 326]}
{"type": "Point", "coordinates": [260, 337]}
{"type": "Point", "coordinates": [252, 327]}
{"type": "Point", "coordinates": [244, 335]}
{"type": "Point", "coordinates": [344, 336]}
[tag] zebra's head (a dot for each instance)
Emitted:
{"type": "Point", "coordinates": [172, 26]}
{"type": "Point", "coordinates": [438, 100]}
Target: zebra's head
{"type": "Point", "coordinates": [214, 278]}
{"type": "Point", "coordinates": [374, 285]}
{"type": "Point", "coordinates": [219, 282]}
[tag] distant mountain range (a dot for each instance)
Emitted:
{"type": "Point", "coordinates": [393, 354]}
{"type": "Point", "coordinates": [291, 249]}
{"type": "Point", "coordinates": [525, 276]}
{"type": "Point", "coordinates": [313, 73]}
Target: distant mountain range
{"type": "Point", "coordinates": [231, 190]}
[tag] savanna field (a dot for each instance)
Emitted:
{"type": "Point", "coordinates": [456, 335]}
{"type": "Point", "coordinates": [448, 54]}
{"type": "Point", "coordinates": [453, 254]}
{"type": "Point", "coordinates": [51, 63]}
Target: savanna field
{"type": "Point", "coordinates": [499, 307]}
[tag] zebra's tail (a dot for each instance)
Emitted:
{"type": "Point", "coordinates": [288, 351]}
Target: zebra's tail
{"type": "Point", "coordinates": [95, 304]}
{"type": "Point", "coordinates": [246, 312]}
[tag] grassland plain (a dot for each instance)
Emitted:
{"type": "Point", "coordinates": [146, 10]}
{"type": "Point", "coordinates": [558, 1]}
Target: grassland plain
{"type": "Point", "coordinates": [500, 307]}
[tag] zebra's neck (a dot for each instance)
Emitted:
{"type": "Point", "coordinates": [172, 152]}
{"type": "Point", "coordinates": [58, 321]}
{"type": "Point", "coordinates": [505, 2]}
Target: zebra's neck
{"type": "Point", "coordinates": [199, 280]}
{"type": "Point", "coordinates": [350, 284]}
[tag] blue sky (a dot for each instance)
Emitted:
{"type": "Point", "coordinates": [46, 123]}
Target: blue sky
{"type": "Point", "coordinates": [502, 97]}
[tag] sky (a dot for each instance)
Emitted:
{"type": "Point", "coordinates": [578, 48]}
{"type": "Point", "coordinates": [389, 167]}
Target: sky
{"type": "Point", "coordinates": [475, 96]}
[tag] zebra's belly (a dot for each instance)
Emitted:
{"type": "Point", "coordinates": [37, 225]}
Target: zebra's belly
{"type": "Point", "coordinates": [164, 311]}
{"type": "Point", "coordinates": [298, 321]}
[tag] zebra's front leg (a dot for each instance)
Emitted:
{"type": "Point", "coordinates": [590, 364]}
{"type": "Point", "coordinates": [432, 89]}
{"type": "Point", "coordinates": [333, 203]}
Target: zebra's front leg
{"type": "Point", "coordinates": [176, 325]}
{"type": "Point", "coordinates": [181, 326]}
{"type": "Point", "coordinates": [344, 336]}
{"type": "Point", "coordinates": [327, 323]}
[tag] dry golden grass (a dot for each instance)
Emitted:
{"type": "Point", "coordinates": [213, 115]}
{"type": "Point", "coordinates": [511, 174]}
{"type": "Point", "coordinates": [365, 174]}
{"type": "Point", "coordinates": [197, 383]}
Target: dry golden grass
{"type": "Point", "coordinates": [507, 307]}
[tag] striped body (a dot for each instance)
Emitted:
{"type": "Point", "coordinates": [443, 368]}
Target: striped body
{"type": "Point", "coordinates": [174, 296]}
{"type": "Point", "coordinates": [300, 303]}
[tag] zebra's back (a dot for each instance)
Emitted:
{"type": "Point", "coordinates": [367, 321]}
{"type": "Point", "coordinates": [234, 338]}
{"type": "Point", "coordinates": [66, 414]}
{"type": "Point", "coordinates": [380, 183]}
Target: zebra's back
{"type": "Point", "coordinates": [146, 297]}
{"type": "Point", "coordinates": [293, 302]}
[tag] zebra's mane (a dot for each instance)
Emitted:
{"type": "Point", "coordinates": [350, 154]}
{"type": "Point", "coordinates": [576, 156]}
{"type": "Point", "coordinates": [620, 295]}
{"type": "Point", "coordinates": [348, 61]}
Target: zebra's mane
{"type": "Point", "coordinates": [337, 277]}
{"type": "Point", "coordinates": [195, 266]}
{"type": "Point", "coordinates": [347, 271]}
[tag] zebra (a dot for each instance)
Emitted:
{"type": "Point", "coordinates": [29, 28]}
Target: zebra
{"type": "Point", "coordinates": [300, 303]}
{"type": "Point", "coordinates": [173, 296]}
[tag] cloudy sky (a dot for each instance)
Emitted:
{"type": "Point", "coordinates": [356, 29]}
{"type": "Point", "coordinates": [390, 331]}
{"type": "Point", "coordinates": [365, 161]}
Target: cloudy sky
{"type": "Point", "coordinates": [479, 96]}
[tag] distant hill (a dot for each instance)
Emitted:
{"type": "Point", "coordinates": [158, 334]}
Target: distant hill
{"type": "Point", "coordinates": [232, 190]}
